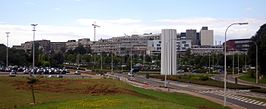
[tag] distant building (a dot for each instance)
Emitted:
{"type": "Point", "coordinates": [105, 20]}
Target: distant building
{"type": "Point", "coordinates": [85, 42]}
{"type": "Point", "coordinates": [206, 36]}
{"type": "Point", "coordinates": [58, 46]}
{"type": "Point", "coordinates": [71, 45]}
{"type": "Point", "coordinates": [239, 45]}
{"type": "Point", "coordinates": [191, 34]}
{"type": "Point", "coordinates": [205, 50]}
{"type": "Point", "coordinates": [18, 47]}
{"type": "Point", "coordinates": [154, 46]}
{"type": "Point", "coordinates": [183, 45]}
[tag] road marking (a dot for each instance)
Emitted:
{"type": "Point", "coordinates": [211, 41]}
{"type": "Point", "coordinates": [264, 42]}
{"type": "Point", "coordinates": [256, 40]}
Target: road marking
{"type": "Point", "coordinates": [252, 101]}
{"type": "Point", "coordinates": [232, 95]}
{"type": "Point", "coordinates": [260, 103]}
{"type": "Point", "coordinates": [256, 102]}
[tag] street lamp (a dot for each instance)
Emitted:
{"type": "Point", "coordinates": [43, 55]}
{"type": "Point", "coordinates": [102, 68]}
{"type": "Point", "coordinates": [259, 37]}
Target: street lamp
{"type": "Point", "coordinates": [7, 33]}
{"type": "Point", "coordinates": [225, 73]}
{"type": "Point", "coordinates": [257, 75]}
{"type": "Point", "coordinates": [33, 47]}
{"type": "Point", "coordinates": [112, 65]}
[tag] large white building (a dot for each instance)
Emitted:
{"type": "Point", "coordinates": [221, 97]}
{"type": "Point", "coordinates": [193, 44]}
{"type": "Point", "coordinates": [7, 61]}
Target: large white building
{"type": "Point", "coordinates": [168, 52]}
{"type": "Point", "coordinates": [154, 46]}
{"type": "Point", "coordinates": [206, 36]}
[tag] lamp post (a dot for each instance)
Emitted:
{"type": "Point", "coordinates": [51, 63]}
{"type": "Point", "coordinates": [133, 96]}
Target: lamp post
{"type": "Point", "coordinates": [257, 73]}
{"type": "Point", "coordinates": [33, 46]}
{"type": "Point", "coordinates": [7, 33]}
{"type": "Point", "coordinates": [225, 73]}
{"type": "Point", "coordinates": [112, 65]}
{"type": "Point", "coordinates": [233, 65]}
{"type": "Point", "coordinates": [237, 63]}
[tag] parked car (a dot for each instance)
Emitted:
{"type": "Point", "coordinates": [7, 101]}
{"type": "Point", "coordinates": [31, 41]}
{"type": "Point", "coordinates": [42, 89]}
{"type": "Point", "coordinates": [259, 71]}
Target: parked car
{"type": "Point", "coordinates": [77, 72]}
{"type": "Point", "coordinates": [12, 73]}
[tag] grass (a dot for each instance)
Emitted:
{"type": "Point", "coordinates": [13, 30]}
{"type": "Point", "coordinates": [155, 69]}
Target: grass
{"type": "Point", "coordinates": [203, 80]}
{"type": "Point", "coordinates": [92, 93]}
{"type": "Point", "coordinates": [247, 77]}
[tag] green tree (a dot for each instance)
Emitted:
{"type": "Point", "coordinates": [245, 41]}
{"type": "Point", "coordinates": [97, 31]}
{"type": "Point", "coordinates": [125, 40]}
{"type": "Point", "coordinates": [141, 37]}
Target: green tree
{"type": "Point", "coordinates": [260, 39]}
{"type": "Point", "coordinates": [31, 81]}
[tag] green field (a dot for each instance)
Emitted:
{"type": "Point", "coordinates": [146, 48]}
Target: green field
{"type": "Point", "coordinates": [247, 77]}
{"type": "Point", "coordinates": [90, 94]}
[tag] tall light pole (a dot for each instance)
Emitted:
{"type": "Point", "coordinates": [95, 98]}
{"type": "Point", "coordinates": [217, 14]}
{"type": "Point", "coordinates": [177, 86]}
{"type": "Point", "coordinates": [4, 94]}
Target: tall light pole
{"type": "Point", "coordinates": [7, 33]}
{"type": "Point", "coordinates": [257, 73]}
{"type": "Point", "coordinates": [225, 73]}
{"type": "Point", "coordinates": [237, 63]}
{"type": "Point", "coordinates": [94, 28]}
{"type": "Point", "coordinates": [112, 65]}
{"type": "Point", "coordinates": [209, 63]}
{"type": "Point", "coordinates": [33, 46]}
{"type": "Point", "coordinates": [233, 65]}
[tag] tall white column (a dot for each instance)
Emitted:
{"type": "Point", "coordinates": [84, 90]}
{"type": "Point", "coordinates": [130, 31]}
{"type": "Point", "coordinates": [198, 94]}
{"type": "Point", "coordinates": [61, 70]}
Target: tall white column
{"type": "Point", "coordinates": [168, 52]}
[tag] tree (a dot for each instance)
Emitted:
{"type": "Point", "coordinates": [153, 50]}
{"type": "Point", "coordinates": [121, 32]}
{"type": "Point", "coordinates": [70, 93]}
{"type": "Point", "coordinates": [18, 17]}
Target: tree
{"type": "Point", "coordinates": [260, 39]}
{"type": "Point", "coordinates": [31, 81]}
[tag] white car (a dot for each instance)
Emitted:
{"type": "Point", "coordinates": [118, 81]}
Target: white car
{"type": "Point", "coordinates": [12, 74]}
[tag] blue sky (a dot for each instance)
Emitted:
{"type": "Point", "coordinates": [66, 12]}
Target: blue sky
{"type": "Point", "coordinates": [60, 20]}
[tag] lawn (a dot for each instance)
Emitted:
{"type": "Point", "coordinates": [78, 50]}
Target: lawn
{"type": "Point", "coordinates": [203, 80]}
{"type": "Point", "coordinates": [92, 93]}
{"type": "Point", "coordinates": [247, 77]}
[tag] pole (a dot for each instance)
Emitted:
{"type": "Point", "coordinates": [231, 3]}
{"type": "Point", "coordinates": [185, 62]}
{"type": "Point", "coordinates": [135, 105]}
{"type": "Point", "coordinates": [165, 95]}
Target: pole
{"type": "Point", "coordinates": [237, 63]}
{"type": "Point", "coordinates": [246, 62]}
{"type": "Point", "coordinates": [257, 73]}
{"type": "Point", "coordinates": [131, 62]}
{"type": "Point", "coordinates": [33, 47]}
{"type": "Point", "coordinates": [225, 72]}
{"type": "Point", "coordinates": [7, 33]}
{"type": "Point", "coordinates": [209, 63]}
{"type": "Point", "coordinates": [233, 64]}
{"type": "Point", "coordinates": [112, 65]}
{"type": "Point", "coordinates": [165, 78]}
{"type": "Point", "coordinates": [101, 61]}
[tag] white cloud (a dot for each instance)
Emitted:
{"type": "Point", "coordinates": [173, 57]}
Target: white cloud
{"type": "Point", "coordinates": [57, 9]}
{"type": "Point", "coordinates": [117, 27]}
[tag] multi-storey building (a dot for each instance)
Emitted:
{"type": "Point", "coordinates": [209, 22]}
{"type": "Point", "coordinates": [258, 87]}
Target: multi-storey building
{"type": "Point", "coordinates": [85, 42]}
{"type": "Point", "coordinates": [205, 50]}
{"type": "Point", "coordinates": [58, 46]}
{"type": "Point", "coordinates": [192, 35]}
{"type": "Point", "coordinates": [239, 45]}
{"type": "Point", "coordinates": [44, 45]}
{"type": "Point", "coordinates": [154, 46]}
{"type": "Point", "coordinates": [206, 36]}
{"type": "Point", "coordinates": [124, 45]}
{"type": "Point", "coordinates": [71, 45]}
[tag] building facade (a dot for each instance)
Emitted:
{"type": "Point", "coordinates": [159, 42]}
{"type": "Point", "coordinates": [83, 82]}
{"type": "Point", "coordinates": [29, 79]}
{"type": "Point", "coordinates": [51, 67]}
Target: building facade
{"type": "Point", "coordinates": [239, 45]}
{"type": "Point", "coordinates": [206, 37]}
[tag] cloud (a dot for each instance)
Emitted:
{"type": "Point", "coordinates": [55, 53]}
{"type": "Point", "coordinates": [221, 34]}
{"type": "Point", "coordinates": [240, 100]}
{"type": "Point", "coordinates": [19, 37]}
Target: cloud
{"type": "Point", "coordinates": [29, 3]}
{"type": "Point", "coordinates": [117, 27]}
{"type": "Point", "coordinates": [57, 9]}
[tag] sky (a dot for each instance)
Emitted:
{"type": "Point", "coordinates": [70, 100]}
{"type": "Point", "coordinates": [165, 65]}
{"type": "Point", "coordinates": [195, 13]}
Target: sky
{"type": "Point", "coordinates": [62, 20]}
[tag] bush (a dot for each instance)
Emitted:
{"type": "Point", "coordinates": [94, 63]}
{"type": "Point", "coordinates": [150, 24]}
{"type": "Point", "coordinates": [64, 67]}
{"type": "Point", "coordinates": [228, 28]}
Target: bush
{"type": "Point", "coordinates": [204, 78]}
{"type": "Point", "coordinates": [258, 90]}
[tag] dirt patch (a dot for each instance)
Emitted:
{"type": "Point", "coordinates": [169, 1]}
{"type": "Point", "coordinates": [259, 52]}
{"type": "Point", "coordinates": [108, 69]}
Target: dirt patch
{"type": "Point", "coordinates": [74, 86]}
{"type": "Point", "coordinates": [204, 107]}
